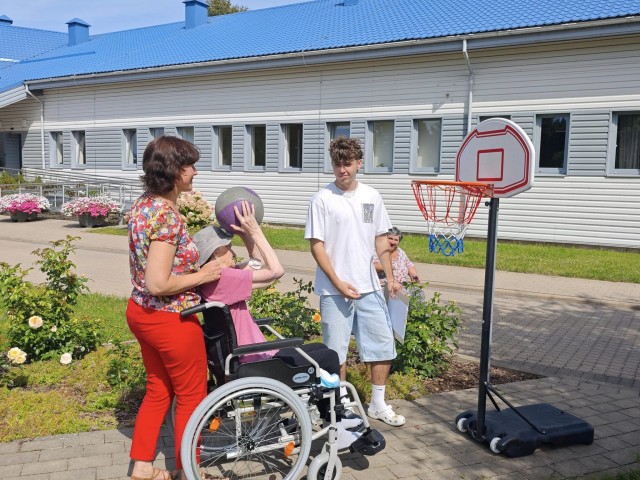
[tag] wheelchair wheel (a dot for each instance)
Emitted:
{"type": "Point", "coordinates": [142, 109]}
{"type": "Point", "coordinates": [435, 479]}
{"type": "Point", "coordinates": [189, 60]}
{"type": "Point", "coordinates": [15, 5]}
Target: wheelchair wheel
{"type": "Point", "coordinates": [318, 468]}
{"type": "Point", "coordinates": [251, 428]}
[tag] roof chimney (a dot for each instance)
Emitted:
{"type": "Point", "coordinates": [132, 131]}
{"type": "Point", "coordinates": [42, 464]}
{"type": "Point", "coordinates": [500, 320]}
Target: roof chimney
{"type": "Point", "coordinates": [5, 21]}
{"type": "Point", "coordinates": [78, 31]}
{"type": "Point", "coordinates": [195, 13]}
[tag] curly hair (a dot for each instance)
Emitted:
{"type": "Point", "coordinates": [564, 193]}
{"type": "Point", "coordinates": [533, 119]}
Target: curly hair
{"type": "Point", "coordinates": [343, 149]}
{"type": "Point", "coordinates": [163, 161]}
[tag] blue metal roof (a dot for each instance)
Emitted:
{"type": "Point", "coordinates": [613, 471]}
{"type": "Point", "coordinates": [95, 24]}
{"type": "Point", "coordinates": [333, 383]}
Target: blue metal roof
{"type": "Point", "coordinates": [17, 43]}
{"type": "Point", "coordinates": [310, 26]}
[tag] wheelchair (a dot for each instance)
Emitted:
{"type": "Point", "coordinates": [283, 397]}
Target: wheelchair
{"type": "Point", "coordinates": [261, 417]}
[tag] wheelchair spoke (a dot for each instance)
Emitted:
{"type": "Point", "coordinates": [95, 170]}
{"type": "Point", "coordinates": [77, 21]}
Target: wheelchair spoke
{"type": "Point", "coordinates": [254, 434]}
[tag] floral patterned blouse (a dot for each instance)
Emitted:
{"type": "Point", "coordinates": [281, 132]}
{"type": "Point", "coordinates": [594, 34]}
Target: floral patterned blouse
{"type": "Point", "coordinates": [400, 265]}
{"type": "Point", "coordinates": [153, 219]}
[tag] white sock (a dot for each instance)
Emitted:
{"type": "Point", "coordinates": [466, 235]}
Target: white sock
{"type": "Point", "coordinates": [377, 397]}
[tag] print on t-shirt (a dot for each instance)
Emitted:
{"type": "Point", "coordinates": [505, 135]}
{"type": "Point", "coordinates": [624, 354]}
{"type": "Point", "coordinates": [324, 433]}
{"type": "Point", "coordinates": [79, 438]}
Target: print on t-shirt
{"type": "Point", "coordinates": [367, 212]}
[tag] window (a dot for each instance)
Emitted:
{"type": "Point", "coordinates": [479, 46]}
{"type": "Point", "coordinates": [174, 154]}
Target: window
{"type": "Point", "coordinates": [78, 149]}
{"type": "Point", "coordinates": [553, 141]}
{"type": "Point", "coordinates": [222, 147]}
{"type": "Point", "coordinates": [186, 133]}
{"type": "Point", "coordinates": [339, 129]}
{"type": "Point", "coordinates": [292, 145]}
{"type": "Point", "coordinates": [482, 118]}
{"type": "Point", "coordinates": [333, 131]}
{"type": "Point", "coordinates": [156, 132]}
{"type": "Point", "coordinates": [379, 146]}
{"type": "Point", "coordinates": [257, 146]}
{"type": "Point", "coordinates": [129, 148]}
{"type": "Point", "coordinates": [56, 149]}
{"type": "Point", "coordinates": [627, 147]}
{"type": "Point", "coordinates": [426, 140]}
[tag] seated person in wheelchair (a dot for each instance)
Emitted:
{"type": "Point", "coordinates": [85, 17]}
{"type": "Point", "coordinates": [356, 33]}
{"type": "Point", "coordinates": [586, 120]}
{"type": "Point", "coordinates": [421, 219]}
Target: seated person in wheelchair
{"type": "Point", "coordinates": [234, 288]}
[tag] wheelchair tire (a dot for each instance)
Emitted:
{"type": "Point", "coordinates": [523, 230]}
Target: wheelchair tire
{"type": "Point", "coordinates": [249, 428]}
{"type": "Point", "coordinates": [318, 468]}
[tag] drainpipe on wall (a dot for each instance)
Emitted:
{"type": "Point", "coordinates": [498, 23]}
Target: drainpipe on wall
{"type": "Point", "coordinates": [470, 109]}
{"type": "Point", "coordinates": [44, 163]}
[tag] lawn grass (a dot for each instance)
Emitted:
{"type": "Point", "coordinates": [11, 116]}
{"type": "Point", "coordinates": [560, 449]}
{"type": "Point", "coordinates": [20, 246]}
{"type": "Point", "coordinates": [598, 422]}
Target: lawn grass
{"type": "Point", "coordinates": [539, 258]}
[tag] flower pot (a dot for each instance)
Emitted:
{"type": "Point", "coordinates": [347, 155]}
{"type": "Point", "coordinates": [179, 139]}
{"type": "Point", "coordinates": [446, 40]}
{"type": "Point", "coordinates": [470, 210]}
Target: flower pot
{"type": "Point", "coordinates": [23, 216]}
{"type": "Point", "coordinates": [86, 220]}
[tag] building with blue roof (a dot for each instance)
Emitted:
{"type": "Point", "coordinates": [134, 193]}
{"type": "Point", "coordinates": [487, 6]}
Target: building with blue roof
{"type": "Point", "coordinates": [262, 92]}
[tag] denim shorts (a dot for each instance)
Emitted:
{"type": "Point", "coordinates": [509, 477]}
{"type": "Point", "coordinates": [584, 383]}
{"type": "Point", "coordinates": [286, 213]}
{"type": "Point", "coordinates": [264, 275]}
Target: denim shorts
{"type": "Point", "coordinates": [366, 317]}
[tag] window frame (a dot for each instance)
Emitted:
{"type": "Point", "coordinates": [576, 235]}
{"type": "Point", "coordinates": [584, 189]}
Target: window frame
{"type": "Point", "coordinates": [75, 149]}
{"type": "Point", "coordinates": [285, 152]}
{"type": "Point", "coordinates": [369, 144]}
{"type": "Point", "coordinates": [414, 143]}
{"type": "Point", "coordinates": [216, 153]}
{"type": "Point", "coordinates": [329, 135]}
{"type": "Point", "coordinates": [126, 144]}
{"type": "Point", "coordinates": [54, 135]}
{"type": "Point", "coordinates": [562, 171]}
{"type": "Point", "coordinates": [180, 133]}
{"type": "Point", "coordinates": [613, 146]}
{"type": "Point", "coordinates": [151, 134]}
{"type": "Point", "coordinates": [249, 148]}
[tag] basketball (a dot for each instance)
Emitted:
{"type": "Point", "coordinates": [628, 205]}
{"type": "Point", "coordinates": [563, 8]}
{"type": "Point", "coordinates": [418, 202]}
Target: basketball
{"type": "Point", "coordinates": [233, 197]}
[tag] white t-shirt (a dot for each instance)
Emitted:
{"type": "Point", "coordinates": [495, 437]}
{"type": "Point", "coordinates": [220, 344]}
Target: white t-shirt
{"type": "Point", "coordinates": [347, 223]}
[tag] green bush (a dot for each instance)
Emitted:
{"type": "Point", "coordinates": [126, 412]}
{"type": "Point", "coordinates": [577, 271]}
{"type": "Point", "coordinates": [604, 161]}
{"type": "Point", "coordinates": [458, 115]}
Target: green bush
{"type": "Point", "coordinates": [293, 315]}
{"type": "Point", "coordinates": [430, 336]}
{"type": "Point", "coordinates": [41, 321]}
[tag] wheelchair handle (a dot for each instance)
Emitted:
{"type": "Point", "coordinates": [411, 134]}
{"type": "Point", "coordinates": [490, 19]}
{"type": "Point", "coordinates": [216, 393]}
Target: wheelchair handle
{"type": "Point", "coordinates": [200, 308]}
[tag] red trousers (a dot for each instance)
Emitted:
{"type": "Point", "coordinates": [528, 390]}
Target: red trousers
{"type": "Point", "coordinates": [174, 357]}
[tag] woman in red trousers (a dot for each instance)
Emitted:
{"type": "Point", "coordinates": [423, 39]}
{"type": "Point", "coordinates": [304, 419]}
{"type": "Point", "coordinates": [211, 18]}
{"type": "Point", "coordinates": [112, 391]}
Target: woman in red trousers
{"type": "Point", "coordinates": [165, 273]}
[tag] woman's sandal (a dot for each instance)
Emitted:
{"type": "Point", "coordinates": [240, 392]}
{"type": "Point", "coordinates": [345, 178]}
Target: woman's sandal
{"type": "Point", "coordinates": [166, 475]}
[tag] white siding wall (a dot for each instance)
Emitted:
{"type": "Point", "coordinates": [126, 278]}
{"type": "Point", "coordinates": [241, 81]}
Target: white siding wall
{"type": "Point", "coordinates": [587, 79]}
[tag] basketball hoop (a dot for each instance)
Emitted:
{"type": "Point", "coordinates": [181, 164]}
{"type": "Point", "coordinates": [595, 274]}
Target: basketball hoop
{"type": "Point", "coordinates": [448, 207]}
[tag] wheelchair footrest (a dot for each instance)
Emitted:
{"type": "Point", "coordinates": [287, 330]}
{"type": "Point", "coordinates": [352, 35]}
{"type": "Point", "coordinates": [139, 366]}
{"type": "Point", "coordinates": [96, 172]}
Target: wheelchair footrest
{"type": "Point", "coordinates": [370, 443]}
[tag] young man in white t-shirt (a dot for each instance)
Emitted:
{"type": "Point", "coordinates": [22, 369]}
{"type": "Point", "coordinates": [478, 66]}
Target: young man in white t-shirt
{"type": "Point", "coordinates": [347, 225]}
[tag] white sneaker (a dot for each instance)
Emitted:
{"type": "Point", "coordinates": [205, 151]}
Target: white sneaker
{"type": "Point", "coordinates": [346, 438]}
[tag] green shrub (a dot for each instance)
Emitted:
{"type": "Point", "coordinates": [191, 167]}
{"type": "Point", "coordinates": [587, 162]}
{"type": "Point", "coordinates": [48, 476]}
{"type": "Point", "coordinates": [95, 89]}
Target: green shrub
{"type": "Point", "coordinates": [126, 370]}
{"type": "Point", "coordinates": [430, 336]}
{"type": "Point", "coordinates": [293, 315]}
{"type": "Point", "coordinates": [41, 321]}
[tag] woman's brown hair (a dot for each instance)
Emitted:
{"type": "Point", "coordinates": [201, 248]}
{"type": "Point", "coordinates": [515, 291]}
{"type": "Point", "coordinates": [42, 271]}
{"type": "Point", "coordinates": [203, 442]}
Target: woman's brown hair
{"type": "Point", "coordinates": [163, 161]}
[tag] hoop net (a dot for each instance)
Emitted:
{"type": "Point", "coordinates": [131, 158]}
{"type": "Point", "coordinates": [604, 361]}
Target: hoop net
{"type": "Point", "coordinates": [448, 207]}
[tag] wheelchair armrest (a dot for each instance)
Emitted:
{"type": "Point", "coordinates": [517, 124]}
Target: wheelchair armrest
{"type": "Point", "coordinates": [266, 346]}
{"type": "Point", "coordinates": [264, 321]}
{"type": "Point", "coordinates": [200, 308]}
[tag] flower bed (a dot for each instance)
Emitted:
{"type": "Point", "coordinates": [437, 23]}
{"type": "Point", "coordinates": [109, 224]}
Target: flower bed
{"type": "Point", "coordinates": [96, 206]}
{"type": "Point", "coordinates": [24, 203]}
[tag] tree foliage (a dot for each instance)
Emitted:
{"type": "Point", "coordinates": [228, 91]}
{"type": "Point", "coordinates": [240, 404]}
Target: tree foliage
{"type": "Point", "coordinates": [223, 7]}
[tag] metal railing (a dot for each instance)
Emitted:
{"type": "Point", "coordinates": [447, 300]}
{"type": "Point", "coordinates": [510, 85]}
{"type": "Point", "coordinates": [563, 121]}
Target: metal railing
{"type": "Point", "coordinates": [60, 187]}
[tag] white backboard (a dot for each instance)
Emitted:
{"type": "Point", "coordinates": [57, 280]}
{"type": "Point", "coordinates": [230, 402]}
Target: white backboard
{"type": "Point", "coordinates": [498, 152]}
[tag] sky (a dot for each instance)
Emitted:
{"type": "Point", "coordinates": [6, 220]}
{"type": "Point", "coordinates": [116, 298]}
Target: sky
{"type": "Point", "coordinates": [106, 15]}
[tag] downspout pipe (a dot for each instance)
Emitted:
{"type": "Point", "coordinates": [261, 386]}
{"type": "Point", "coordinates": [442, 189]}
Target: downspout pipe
{"type": "Point", "coordinates": [470, 101]}
{"type": "Point", "coordinates": [44, 162]}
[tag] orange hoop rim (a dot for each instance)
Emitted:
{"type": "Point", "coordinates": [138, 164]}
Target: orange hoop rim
{"type": "Point", "coordinates": [479, 188]}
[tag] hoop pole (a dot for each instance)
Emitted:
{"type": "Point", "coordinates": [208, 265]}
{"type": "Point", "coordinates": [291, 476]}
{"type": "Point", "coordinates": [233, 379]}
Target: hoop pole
{"type": "Point", "coordinates": [487, 316]}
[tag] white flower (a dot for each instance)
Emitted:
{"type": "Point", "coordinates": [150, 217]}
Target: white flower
{"type": "Point", "coordinates": [54, 329]}
{"type": "Point", "coordinates": [16, 356]}
{"type": "Point", "coordinates": [35, 322]}
{"type": "Point", "coordinates": [66, 359]}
